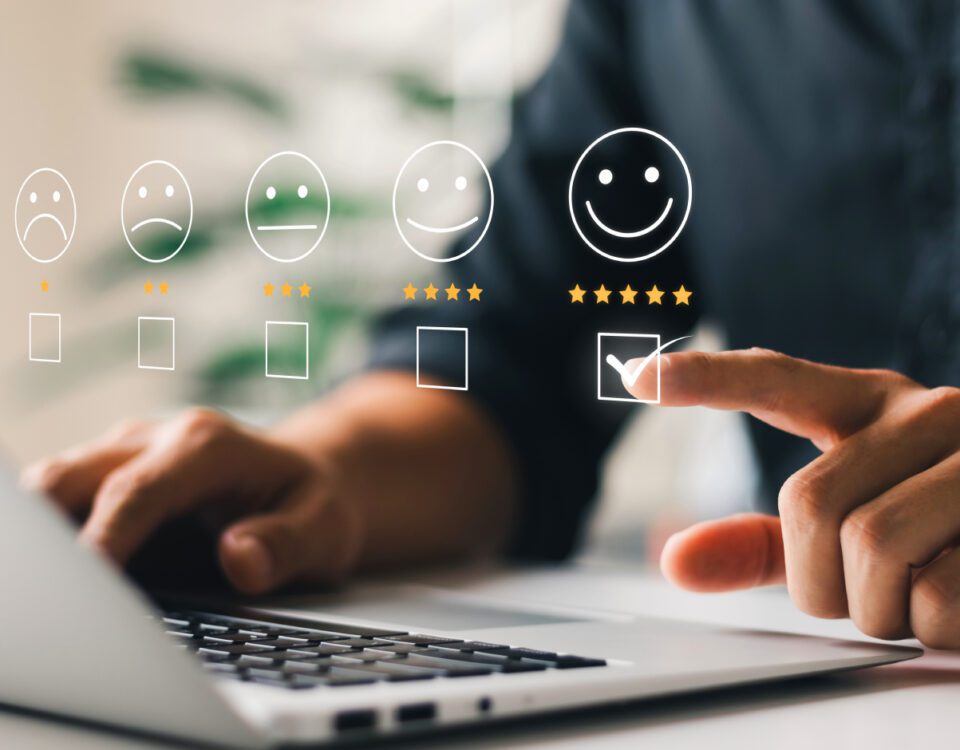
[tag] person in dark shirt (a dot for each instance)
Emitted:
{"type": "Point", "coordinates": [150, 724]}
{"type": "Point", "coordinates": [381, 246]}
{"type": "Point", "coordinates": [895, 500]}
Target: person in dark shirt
{"type": "Point", "coordinates": [823, 144]}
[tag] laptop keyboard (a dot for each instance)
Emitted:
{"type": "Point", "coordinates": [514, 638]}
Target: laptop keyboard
{"type": "Point", "coordinates": [336, 654]}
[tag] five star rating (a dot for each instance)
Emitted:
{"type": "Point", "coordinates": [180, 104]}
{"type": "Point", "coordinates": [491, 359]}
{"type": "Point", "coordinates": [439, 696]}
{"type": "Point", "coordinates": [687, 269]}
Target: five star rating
{"type": "Point", "coordinates": [433, 293]}
{"type": "Point", "coordinates": [628, 295]}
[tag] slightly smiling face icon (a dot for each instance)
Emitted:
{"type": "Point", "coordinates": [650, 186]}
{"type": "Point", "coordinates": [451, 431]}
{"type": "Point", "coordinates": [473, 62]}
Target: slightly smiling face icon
{"type": "Point", "coordinates": [287, 207]}
{"type": "Point", "coordinates": [430, 204]}
{"type": "Point", "coordinates": [630, 194]}
{"type": "Point", "coordinates": [156, 211]}
{"type": "Point", "coordinates": [45, 215]}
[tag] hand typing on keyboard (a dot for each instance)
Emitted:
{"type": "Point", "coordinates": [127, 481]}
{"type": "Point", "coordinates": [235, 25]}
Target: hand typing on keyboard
{"type": "Point", "coordinates": [352, 481]}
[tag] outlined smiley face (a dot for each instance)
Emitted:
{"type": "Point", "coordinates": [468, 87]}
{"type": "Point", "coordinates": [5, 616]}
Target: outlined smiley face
{"type": "Point", "coordinates": [45, 215]}
{"type": "Point", "coordinates": [430, 200]}
{"type": "Point", "coordinates": [630, 194]}
{"type": "Point", "coordinates": [156, 211]}
{"type": "Point", "coordinates": [287, 206]}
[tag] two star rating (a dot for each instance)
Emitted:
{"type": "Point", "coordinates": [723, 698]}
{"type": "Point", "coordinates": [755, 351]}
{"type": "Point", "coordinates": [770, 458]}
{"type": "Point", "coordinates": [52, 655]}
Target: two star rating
{"type": "Point", "coordinates": [286, 290]}
{"type": "Point", "coordinates": [163, 287]}
{"type": "Point", "coordinates": [453, 293]}
{"type": "Point", "coordinates": [628, 295]}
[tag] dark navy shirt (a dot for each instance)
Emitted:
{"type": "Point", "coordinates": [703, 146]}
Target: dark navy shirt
{"type": "Point", "coordinates": [822, 139]}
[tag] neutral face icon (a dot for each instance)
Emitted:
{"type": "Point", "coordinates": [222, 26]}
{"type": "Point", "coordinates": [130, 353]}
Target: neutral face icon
{"type": "Point", "coordinates": [45, 215]}
{"type": "Point", "coordinates": [156, 211]}
{"type": "Point", "coordinates": [431, 207]}
{"type": "Point", "coordinates": [287, 207]}
{"type": "Point", "coordinates": [630, 194]}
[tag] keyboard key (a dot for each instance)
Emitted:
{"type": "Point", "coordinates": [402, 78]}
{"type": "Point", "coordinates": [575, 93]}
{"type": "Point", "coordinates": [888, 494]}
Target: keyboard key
{"type": "Point", "coordinates": [357, 642]}
{"type": "Point", "coordinates": [472, 646]}
{"type": "Point", "coordinates": [176, 622]}
{"type": "Point", "coordinates": [449, 667]}
{"type": "Point", "coordinates": [324, 649]}
{"type": "Point", "coordinates": [252, 660]}
{"type": "Point", "coordinates": [577, 662]}
{"type": "Point", "coordinates": [462, 657]}
{"type": "Point", "coordinates": [418, 639]}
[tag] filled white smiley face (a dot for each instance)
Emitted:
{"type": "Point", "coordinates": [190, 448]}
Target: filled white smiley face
{"type": "Point", "coordinates": [434, 200]}
{"type": "Point", "coordinates": [630, 194]}
{"type": "Point", "coordinates": [287, 206]}
{"type": "Point", "coordinates": [156, 211]}
{"type": "Point", "coordinates": [45, 215]}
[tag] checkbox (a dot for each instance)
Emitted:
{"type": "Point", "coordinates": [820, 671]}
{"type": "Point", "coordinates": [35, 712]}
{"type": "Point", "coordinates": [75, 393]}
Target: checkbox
{"type": "Point", "coordinates": [156, 343]}
{"type": "Point", "coordinates": [287, 350]}
{"type": "Point", "coordinates": [44, 337]}
{"type": "Point", "coordinates": [614, 351]}
{"type": "Point", "coordinates": [452, 345]}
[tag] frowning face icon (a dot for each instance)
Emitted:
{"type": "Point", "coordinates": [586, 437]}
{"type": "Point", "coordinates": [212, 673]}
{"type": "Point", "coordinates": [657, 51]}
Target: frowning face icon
{"type": "Point", "coordinates": [45, 215]}
{"type": "Point", "coordinates": [630, 194]}
{"type": "Point", "coordinates": [156, 211]}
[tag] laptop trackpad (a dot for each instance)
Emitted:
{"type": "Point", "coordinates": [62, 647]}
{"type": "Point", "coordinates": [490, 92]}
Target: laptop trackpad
{"type": "Point", "coordinates": [421, 607]}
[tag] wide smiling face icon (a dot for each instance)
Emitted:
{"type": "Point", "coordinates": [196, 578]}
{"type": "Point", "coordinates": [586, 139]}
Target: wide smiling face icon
{"type": "Point", "coordinates": [287, 207]}
{"type": "Point", "coordinates": [436, 199]}
{"type": "Point", "coordinates": [630, 194]}
{"type": "Point", "coordinates": [45, 215]}
{"type": "Point", "coordinates": [156, 211]}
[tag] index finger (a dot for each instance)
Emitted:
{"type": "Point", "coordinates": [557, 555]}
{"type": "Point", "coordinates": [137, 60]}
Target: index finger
{"type": "Point", "coordinates": [820, 402]}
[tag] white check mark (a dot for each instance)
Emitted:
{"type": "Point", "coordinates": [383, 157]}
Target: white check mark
{"type": "Point", "coordinates": [630, 378]}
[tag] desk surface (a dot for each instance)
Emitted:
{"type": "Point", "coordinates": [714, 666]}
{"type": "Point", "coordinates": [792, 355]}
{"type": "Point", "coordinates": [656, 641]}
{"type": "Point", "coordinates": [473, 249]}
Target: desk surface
{"type": "Point", "coordinates": [912, 704]}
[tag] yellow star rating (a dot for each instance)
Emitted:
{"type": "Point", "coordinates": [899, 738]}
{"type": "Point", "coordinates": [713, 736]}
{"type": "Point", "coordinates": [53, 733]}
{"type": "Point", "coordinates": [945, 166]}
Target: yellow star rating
{"type": "Point", "coordinates": [268, 289]}
{"type": "Point", "coordinates": [603, 295]}
{"type": "Point", "coordinates": [683, 296]}
{"type": "Point", "coordinates": [44, 286]}
{"type": "Point", "coordinates": [474, 293]}
{"type": "Point", "coordinates": [286, 290]}
{"type": "Point", "coordinates": [431, 292]}
{"type": "Point", "coordinates": [453, 293]}
{"type": "Point", "coordinates": [410, 291]}
{"type": "Point", "coordinates": [164, 287]}
{"type": "Point", "coordinates": [304, 290]}
{"type": "Point", "coordinates": [628, 296]}
{"type": "Point", "coordinates": [148, 287]}
{"type": "Point", "coordinates": [576, 294]}
{"type": "Point", "coordinates": [654, 296]}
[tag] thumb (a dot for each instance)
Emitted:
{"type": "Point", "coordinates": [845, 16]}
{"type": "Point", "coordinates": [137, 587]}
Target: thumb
{"type": "Point", "coordinates": [739, 552]}
{"type": "Point", "coordinates": [309, 538]}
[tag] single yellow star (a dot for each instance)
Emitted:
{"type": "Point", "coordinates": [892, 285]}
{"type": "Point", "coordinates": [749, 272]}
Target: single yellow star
{"type": "Point", "coordinates": [431, 292]}
{"type": "Point", "coordinates": [452, 292]}
{"type": "Point", "coordinates": [164, 287]}
{"type": "Point", "coordinates": [268, 289]}
{"type": "Point", "coordinates": [148, 288]}
{"type": "Point", "coordinates": [44, 286]}
{"type": "Point", "coordinates": [576, 294]}
{"type": "Point", "coordinates": [683, 296]}
{"type": "Point", "coordinates": [286, 290]}
{"type": "Point", "coordinates": [628, 296]}
{"type": "Point", "coordinates": [304, 289]}
{"type": "Point", "coordinates": [654, 296]}
{"type": "Point", "coordinates": [474, 293]}
{"type": "Point", "coordinates": [409, 291]}
{"type": "Point", "coordinates": [603, 295]}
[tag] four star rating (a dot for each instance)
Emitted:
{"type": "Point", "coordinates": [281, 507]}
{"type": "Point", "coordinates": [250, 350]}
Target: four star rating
{"type": "Point", "coordinates": [432, 293]}
{"type": "Point", "coordinates": [628, 295]}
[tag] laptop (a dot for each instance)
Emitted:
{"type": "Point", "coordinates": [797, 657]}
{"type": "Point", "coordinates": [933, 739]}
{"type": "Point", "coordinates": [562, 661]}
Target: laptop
{"type": "Point", "coordinates": [78, 640]}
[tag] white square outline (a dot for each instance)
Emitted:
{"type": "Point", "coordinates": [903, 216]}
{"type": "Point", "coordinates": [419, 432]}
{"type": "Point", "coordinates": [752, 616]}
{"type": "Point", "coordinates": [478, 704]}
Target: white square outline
{"type": "Point", "coordinates": [266, 349]}
{"type": "Point", "coordinates": [59, 318]}
{"type": "Point", "coordinates": [173, 344]}
{"type": "Point", "coordinates": [466, 359]}
{"type": "Point", "coordinates": [600, 364]}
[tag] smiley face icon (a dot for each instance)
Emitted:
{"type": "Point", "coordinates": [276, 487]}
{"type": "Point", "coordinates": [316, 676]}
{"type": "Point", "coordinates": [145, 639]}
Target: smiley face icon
{"type": "Point", "coordinates": [430, 200]}
{"type": "Point", "coordinates": [156, 211]}
{"type": "Point", "coordinates": [630, 194]}
{"type": "Point", "coordinates": [287, 206]}
{"type": "Point", "coordinates": [45, 215]}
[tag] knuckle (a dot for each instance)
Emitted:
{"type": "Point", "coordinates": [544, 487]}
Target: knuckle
{"type": "Point", "coordinates": [200, 426]}
{"type": "Point", "coordinates": [931, 605]}
{"type": "Point", "coordinates": [803, 499]}
{"type": "Point", "coordinates": [944, 400]}
{"type": "Point", "coordinates": [123, 487]}
{"type": "Point", "coordinates": [125, 429]}
{"type": "Point", "coordinates": [865, 531]}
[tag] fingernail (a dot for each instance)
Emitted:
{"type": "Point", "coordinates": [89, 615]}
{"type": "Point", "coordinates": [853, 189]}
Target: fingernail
{"type": "Point", "coordinates": [32, 476]}
{"type": "Point", "coordinates": [256, 558]}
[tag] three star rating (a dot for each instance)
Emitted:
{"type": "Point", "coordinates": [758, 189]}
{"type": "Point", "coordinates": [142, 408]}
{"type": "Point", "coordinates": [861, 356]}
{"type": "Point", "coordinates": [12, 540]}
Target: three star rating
{"type": "Point", "coordinates": [286, 290]}
{"type": "Point", "coordinates": [431, 292]}
{"type": "Point", "coordinates": [628, 295]}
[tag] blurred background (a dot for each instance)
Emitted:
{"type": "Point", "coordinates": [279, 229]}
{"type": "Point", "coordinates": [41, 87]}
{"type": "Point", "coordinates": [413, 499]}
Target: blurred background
{"type": "Point", "coordinates": [95, 89]}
